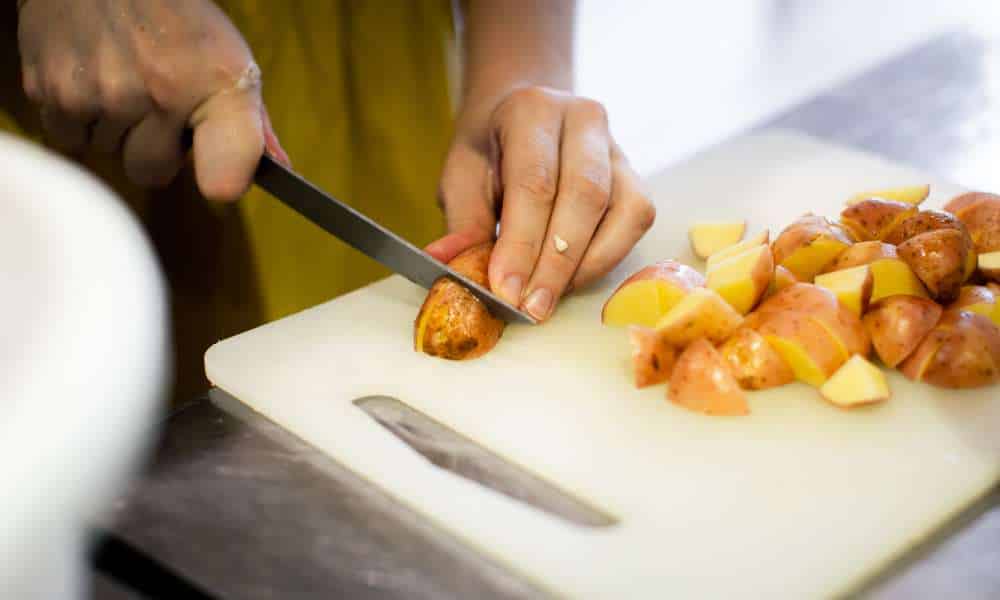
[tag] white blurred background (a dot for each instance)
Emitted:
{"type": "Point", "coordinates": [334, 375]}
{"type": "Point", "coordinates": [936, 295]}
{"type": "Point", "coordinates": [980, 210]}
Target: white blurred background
{"type": "Point", "coordinates": [677, 75]}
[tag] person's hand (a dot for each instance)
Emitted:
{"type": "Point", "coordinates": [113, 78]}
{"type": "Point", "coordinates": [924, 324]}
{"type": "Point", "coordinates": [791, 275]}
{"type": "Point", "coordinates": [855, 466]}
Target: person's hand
{"type": "Point", "coordinates": [119, 76]}
{"type": "Point", "coordinates": [570, 206]}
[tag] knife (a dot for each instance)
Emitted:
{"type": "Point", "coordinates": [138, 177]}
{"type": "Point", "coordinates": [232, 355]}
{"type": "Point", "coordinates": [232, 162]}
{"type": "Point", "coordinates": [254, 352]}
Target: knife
{"type": "Point", "coordinates": [369, 237]}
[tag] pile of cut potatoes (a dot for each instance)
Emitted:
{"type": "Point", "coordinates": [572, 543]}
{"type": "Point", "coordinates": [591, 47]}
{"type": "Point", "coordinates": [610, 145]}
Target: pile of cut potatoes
{"type": "Point", "coordinates": [828, 302]}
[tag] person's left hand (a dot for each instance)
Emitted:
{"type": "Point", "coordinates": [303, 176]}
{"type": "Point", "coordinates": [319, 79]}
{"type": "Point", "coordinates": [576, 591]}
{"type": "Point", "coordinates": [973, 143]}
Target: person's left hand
{"type": "Point", "coordinates": [570, 206]}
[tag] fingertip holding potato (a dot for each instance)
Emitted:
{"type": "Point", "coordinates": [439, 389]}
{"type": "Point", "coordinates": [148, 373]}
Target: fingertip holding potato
{"type": "Point", "coordinates": [452, 323]}
{"type": "Point", "coordinates": [703, 313]}
{"type": "Point", "coordinates": [742, 279]}
{"type": "Point", "coordinates": [856, 383]}
{"type": "Point", "coordinates": [898, 324]}
{"type": "Point", "coordinates": [707, 238]}
{"type": "Point", "coordinates": [753, 362]}
{"type": "Point", "coordinates": [701, 382]}
{"type": "Point", "coordinates": [913, 194]}
{"type": "Point", "coordinates": [653, 357]}
{"type": "Point", "coordinates": [648, 294]}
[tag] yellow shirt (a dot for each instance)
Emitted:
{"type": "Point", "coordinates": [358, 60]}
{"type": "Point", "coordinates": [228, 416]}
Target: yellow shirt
{"type": "Point", "coordinates": [358, 93]}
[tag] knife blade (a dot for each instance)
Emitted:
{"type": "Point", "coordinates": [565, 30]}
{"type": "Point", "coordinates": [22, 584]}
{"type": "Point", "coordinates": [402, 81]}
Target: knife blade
{"type": "Point", "coordinates": [367, 236]}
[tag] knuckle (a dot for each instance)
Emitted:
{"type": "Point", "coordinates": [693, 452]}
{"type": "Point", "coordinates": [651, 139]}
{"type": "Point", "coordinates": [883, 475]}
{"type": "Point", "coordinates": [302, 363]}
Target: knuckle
{"type": "Point", "coordinates": [538, 182]}
{"type": "Point", "coordinates": [591, 110]}
{"type": "Point", "coordinates": [117, 96]}
{"type": "Point", "coordinates": [591, 192]}
{"type": "Point", "coordinates": [642, 212]}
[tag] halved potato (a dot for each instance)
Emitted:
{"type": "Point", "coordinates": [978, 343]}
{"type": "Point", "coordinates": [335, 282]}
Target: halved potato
{"type": "Point", "coordinates": [701, 382]}
{"type": "Point", "coordinates": [702, 313]}
{"type": "Point", "coordinates": [856, 383]}
{"type": "Point", "coordinates": [742, 279]}
{"type": "Point", "coordinates": [912, 194]}
{"type": "Point", "coordinates": [898, 324]}
{"type": "Point", "coordinates": [862, 253]}
{"type": "Point", "coordinates": [452, 323]}
{"type": "Point", "coordinates": [648, 294]}
{"type": "Point", "coordinates": [804, 344]}
{"type": "Point", "coordinates": [753, 362]}
{"type": "Point", "coordinates": [853, 287]}
{"type": "Point", "coordinates": [893, 277]}
{"type": "Point", "coordinates": [938, 259]}
{"type": "Point", "coordinates": [653, 357]}
{"type": "Point", "coordinates": [874, 218]}
{"type": "Point", "coordinates": [978, 299]}
{"type": "Point", "coordinates": [760, 239]}
{"type": "Point", "coordinates": [959, 204]}
{"type": "Point", "coordinates": [808, 245]}
{"type": "Point", "coordinates": [923, 222]}
{"type": "Point", "coordinates": [968, 355]}
{"type": "Point", "coordinates": [707, 238]}
{"type": "Point", "coordinates": [822, 305]}
{"type": "Point", "coordinates": [982, 218]}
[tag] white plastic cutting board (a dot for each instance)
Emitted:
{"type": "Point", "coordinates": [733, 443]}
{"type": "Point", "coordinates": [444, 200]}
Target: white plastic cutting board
{"type": "Point", "coordinates": [797, 500]}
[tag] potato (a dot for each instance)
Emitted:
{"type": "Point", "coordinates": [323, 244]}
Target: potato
{"type": "Point", "coordinates": [648, 294]}
{"type": "Point", "coordinates": [753, 362]}
{"type": "Point", "coordinates": [852, 286]}
{"type": "Point", "coordinates": [821, 304]}
{"type": "Point", "coordinates": [874, 219]}
{"type": "Point", "coordinates": [914, 194]}
{"type": "Point", "coordinates": [702, 313]}
{"type": "Point", "coordinates": [760, 239]}
{"type": "Point", "coordinates": [897, 325]}
{"type": "Point", "coordinates": [701, 382]}
{"type": "Point", "coordinates": [781, 279]}
{"type": "Point", "coordinates": [742, 279]}
{"type": "Point", "coordinates": [938, 259]}
{"type": "Point", "coordinates": [707, 238]}
{"type": "Point", "coordinates": [962, 202]}
{"type": "Point", "coordinates": [978, 299]}
{"type": "Point", "coordinates": [893, 277]}
{"type": "Point", "coordinates": [922, 222]}
{"type": "Point", "coordinates": [989, 265]}
{"type": "Point", "coordinates": [452, 323]}
{"type": "Point", "coordinates": [856, 383]}
{"type": "Point", "coordinates": [653, 357]}
{"type": "Point", "coordinates": [982, 218]}
{"type": "Point", "coordinates": [968, 355]}
{"type": "Point", "coordinates": [804, 344]}
{"type": "Point", "coordinates": [917, 362]}
{"type": "Point", "coordinates": [808, 245]}
{"type": "Point", "coordinates": [862, 253]}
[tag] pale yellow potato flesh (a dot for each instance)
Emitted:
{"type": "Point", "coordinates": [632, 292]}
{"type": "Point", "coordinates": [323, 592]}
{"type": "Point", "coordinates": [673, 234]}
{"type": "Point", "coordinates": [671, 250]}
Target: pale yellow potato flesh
{"type": "Point", "coordinates": [707, 238]}
{"type": "Point", "coordinates": [703, 313]}
{"type": "Point", "coordinates": [758, 240]}
{"type": "Point", "coordinates": [853, 287]}
{"type": "Point", "coordinates": [893, 277]}
{"type": "Point", "coordinates": [856, 383]}
{"type": "Point", "coordinates": [911, 194]}
{"type": "Point", "coordinates": [648, 294]}
{"type": "Point", "coordinates": [742, 279]}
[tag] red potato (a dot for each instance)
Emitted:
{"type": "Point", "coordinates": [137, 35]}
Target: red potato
{"type": "Point", "coordinates": [917, 362]}
{"type": "Point", "coordinates": [898, 324]}
{"type": "Point", "coordinates": [742, 279]}
{"type": "Point", "coordinates": [982, 218]}
{"type": "Point", "coordinates": [702, 313]}
{"type": "Point", "coordinates": [701, 382]}
{"type": "Point", "coordinates": [753, 362]}
{"type": "Point", "coordinates": [808, 245]}
{"type": "Point", "coordinates": [978, 299]}
{"type": "Point", "coordinates": [653, 357]}
{"type": "Point", "coordinates": [781, 279]}
{"type": "Point", "coordinates": [856, 383]}
{"type": "Point", "coordinates": [938, 259]}
{"type": "Point", "coordinates": [959, 204]}
{"type": "Point", "coordinates": [875, 218]}
{"type": "Point", "coordinates": [968, 355]}
{"type": "Point", "coordinates": [862, 253]}
{"type": "Point", "coordinates": [989, 265]}
{"type": "Point", "coordinates": [923, 222]}
{"type": "Point", "coordinates": [823, 305]}
{"type": "Point", "coordinates": [804, 344]}
{"type": "Point", "coordinates": [650, 293]}
{"type": "Point", "coordinates": [913, 194]}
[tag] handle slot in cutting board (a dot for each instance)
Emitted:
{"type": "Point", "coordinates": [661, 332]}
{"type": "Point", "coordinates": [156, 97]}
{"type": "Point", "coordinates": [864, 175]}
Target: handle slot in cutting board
{"type": "Point", "coordinates": [447, 449]}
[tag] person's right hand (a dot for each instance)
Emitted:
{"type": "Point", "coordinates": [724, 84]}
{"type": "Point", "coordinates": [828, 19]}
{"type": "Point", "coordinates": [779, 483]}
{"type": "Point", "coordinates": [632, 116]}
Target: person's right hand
{"type": "Point", "coordinates": [131, 76]}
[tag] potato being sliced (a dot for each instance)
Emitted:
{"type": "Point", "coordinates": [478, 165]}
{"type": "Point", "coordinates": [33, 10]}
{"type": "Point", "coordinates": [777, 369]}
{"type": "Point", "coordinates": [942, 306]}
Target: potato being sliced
{"type": "Point", "coordinates": [874, 219]}
{"type": "Point", "coordinates": [862, 253]}
{"type": "Point", "coordinates": [912, 194]}
{"type": "Point", "coordinates": [753, 362]}
{"type": "Point", "coordinates": [808, 245]}
{"type": "Point", "coordinates": [898, 324]}
{"type": "Point", "coordinates": [701, 382]}
{"type": "Point", "coordinates": [893, 277]}
{"type": "Point", "coordinates": [989, 265]}
{"type": "Point", "coordinates": [760, 239]}
{"type": "Point", "coordinates": [804, 344]}
{"type": "Point", "coordinates": [853, 287]}
{"type": "Point", "coordinates": [856, 383]}
{"type": "Point", "coordinates": [742, 279]}
{"type": "Point", "coordinates": [648, 294]}
{"type": "Point", "coordinates": [707, 238]}
{"type": "Point", "coordinates": [702, 313]}
{"type": "Point", "coordinates": [652, 357]}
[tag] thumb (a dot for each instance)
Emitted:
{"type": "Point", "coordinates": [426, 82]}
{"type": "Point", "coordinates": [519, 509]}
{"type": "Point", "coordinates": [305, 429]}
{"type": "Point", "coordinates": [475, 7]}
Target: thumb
{"type": "Point", "coordinates": [228, 143]}
{"type": "Point", "coordinates": [467, 196]}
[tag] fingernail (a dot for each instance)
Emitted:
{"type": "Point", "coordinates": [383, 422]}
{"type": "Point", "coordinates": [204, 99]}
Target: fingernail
{"type": "Point", "coordinates": [539, 303]}
{"type": "Point", "coordinates": [510, 289]}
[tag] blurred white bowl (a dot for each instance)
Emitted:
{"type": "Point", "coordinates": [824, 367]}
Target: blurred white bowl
{"type": "Point", "coordinates": [83, 363]}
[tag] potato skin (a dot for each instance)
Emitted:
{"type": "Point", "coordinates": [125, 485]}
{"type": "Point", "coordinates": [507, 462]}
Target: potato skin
{"type": "Point", "coordinates": [983, 221]}
{"type": "Point", "coordinates": [822, 305]}
{"type": "Point", "coordinates": [875, 218]}
{"type": "Point", "coordinates": [653, 357]}
{"type": "Point", "coordinates": [898, 324]}
{"type": "Point", "coordinates": [753, 362]}
{"type": "Point", "coordinates": [862, 253]}
{"type": "Point", "coordinates": [922, 222]}
{"type": "Point", "coordinates": [803, 232]}
{"type": "Point", "coordinates": [938, 258]}
{"type": "Point", "coordinates": [969, 353]}
{"type": "Point", "coordinates": [454, 324]}
{"type": "Point", "coordinates": [959, 204]}
{"type": "Point", "coordinates": [701, 382]}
